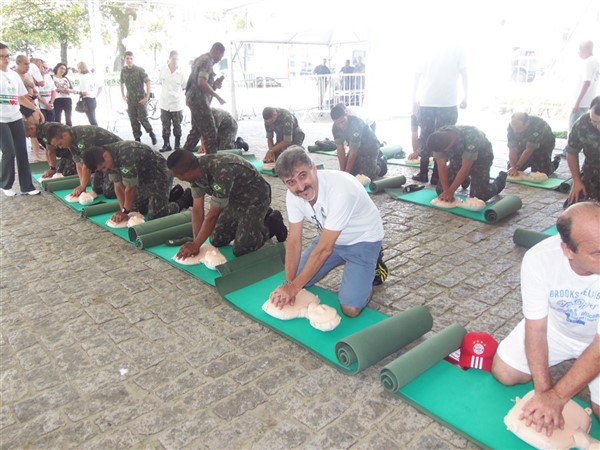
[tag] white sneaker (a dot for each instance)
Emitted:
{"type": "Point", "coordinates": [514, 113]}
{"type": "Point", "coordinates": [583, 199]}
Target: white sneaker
{"type": "Point", "coordinates": [34, 192]}
{"type": "Point", "coordinates": [9, 192]}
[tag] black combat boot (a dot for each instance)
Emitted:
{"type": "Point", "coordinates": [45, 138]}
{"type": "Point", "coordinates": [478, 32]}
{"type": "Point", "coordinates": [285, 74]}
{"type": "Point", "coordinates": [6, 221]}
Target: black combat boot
{"type": "Point", "coordinates": [177, 143]}
{"type": "Point", "coordinates": [153, 138]}
{"type": "Point", "coordinates": [166, 146]}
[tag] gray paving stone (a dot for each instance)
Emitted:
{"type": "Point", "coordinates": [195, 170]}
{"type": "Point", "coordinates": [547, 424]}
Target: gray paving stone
{"type": "Point", "coordinates": [333, 437]}
{"type": "Point", "coordinates": [324, 410]}
{"type": "Point", "coordinates": [103, 400]}
{"type": "Point", "coordinates": [32, 357]}
{"type": "Point", "coordinates": [6, 417]}
{"type": "Point", "coordinates": [184, 433]}
{"type": "Point", "coordinates": [114, 440]}
{"type": "Point", "coordinates": [125, 412]}
{"type": "Point", "coordinates": [21, 339]}
{"type": "Point", "coordinates": [119, 330]}
{"type": "Point", "coordinates": [179, 386]}
{"type": "Point", "coordinates": [70, 436]}
{"type": "Point", "coordinates": [285, 435]}
{"type": "Point", "coordinates": [239, 403]}
{"type": "Point", "coordinates": [47, 400]}
{"type": "Point", "coordinates": [158, 420]}
{"type": "Point", "coordinates": [211, 393]}
{"type": "Point", "coordinates": [237, 433]}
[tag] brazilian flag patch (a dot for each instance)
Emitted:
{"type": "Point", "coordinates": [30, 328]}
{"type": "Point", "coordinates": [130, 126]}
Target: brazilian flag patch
{"type": "Point", "coordinates": [80, 146]}
{"type": "Point", "coordinates": [125, 171]}
{"type": "Point", "coordinates": [217, 188]}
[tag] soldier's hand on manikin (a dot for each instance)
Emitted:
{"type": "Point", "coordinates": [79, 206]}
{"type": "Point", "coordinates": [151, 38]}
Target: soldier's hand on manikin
{"type": "Point", "coordinates": [188, 249]}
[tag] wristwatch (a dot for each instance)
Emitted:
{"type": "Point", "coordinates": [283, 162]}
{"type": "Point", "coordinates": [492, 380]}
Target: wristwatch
{"type": "Point", "coordinates": [52, 167]}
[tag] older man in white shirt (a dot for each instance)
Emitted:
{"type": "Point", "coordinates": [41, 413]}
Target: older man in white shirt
{"type": "Point", "coordinates": [171, 101]}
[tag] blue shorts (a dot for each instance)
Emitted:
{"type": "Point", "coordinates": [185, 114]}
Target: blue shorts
{"type": "Point", "coordinates": [359, 259]}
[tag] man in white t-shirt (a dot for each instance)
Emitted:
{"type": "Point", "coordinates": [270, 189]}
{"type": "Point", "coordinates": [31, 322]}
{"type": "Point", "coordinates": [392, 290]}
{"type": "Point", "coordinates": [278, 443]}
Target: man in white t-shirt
{"type": "Point", "coordinates": [349, 225]}
{"type": "Point", "coordinates": [435, 98]}
{"type": "Point", "coordinates": [588, 82]}
{"type": "Point", "coordinates": [171, 101]}
{"type": "Point", "coordinates": [560, 286]}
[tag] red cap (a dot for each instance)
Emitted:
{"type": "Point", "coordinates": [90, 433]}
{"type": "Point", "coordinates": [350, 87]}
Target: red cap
{"type": "Point", "coordinates": [477, 351]}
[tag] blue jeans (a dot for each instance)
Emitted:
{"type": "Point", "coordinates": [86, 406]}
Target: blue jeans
{"type": "Point", "coordinates": [360, 260]}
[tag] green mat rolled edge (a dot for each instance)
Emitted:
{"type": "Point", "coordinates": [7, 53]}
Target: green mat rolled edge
{"type": "Point", "coordinates": [98, 209]}
{"type": "Point", "coordinates": [313, 148]}
{"type": "Point", "coordinates": [159, 224]}
{"type": "Point", "coordinates": [235, 151]}
{"type": "Point", "coordinates": [366, 347]}
{"type": "Point", "coordinates": [58, 184]}
{"type": "Point", "coordinates": [161, 236]}
{"type": "Point", "coordinates": [378, 186]}
{"type": "Point", "coordinates": [503, 208]}
{"type": "Point", "coordinates": [528, 238]}
{"type": "Point", "coordinates": [413, 363]}
{"type": "Point", "coordinates": [565, 186]}
{"type": "Point", "coordinates": [392, 151]}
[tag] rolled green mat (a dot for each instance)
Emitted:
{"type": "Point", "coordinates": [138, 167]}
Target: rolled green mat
{"type": "Point", "coordinates": [100, 208]}
{"type": "Point", "coordinates": [366, 347]}
{"type": "Point", "coordinates": [503, 208]}
{"type": "Point", "coordinates": [235, 151]}
{"type": "Point", "coordinates": [413, 363]}
{"type": "Point", "coordinates": [565, 186]}
{"type": "Point", "coordinates": [161, 236]}
{"type": "Point", "coordinates": [528, 238]}
{"type": "Point", "coordinates": [393, 151]}
{"type": "Point", "coordinates": [313, 148]}
{"type": "Point", "coordinates": [378, 186]}
{"type": "Point", "coordinates": [58, 184]}
{"type": "Point", "coordinates": [161, 223]}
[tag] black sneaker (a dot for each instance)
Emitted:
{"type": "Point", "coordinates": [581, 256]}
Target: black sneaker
{"type": "Point", "coordinates": [465, 184]}
{"type": "Point", "coordinates": [422, 177]}
{"type": "Point", "coordinates": [186, 200]}
{"type": "Point", "coordinates": [500, 181]}
{"type": "Point", "coordinates": [381, 271]}
{"type": "Point", "coordinates": [556, 162]}
{"type": "Point", "coordinates": [276, 226]}
{"type": "Point", "coordinates": [175, 193]}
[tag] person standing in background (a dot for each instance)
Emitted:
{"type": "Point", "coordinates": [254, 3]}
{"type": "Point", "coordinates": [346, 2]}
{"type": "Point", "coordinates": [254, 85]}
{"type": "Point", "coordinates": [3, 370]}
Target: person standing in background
{"type": "Point", "coordinates": [89, 90]}
{"type": "Point", "coordinates": [64, 89]}
{"type": "Point", "coordinates": [171, 101]}
{"type": "Point", "coordinates": [587, 84]}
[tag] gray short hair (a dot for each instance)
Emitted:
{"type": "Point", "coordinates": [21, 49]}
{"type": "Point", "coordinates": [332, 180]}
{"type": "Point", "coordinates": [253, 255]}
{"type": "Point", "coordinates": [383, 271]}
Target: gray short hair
{"type": "Point", "coordinates": [291, 158]}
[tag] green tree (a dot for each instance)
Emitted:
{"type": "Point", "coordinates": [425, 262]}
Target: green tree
{"type": "Point", "coordinates": [121, 13]}
{"type": "Point", "coordinates": [30, 26]}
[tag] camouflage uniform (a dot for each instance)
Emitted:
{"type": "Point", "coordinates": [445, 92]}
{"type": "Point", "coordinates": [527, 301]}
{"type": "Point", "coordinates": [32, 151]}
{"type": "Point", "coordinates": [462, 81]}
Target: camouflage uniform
{"type": "Point", "coordinates": [137, 165]}
{"type": "Point", "coordinates": [237, 187]}
{"type": "Point", "coordinates": [432, 119]}
{"type": "Point", "coordinates": [471, 144]}
{"type": "Point", "coordinates": [285, 128]}
{"type": "Point", "coordinates": [537, 136]}
{"type": "Point", "coordinates": [358, 134]}
{"type": "Point", "coordinates": [134, 80]}
{"type": "Point", "coordinates": [585, 136]}
{"type": "Point", "coordinates": [227, 128]}
{"type": "Point", "coordinates": [85, 136]}
{"type": "Point", "coordinates": [203, 122]}
{"type": "Point", "coordinates": [65, 163]}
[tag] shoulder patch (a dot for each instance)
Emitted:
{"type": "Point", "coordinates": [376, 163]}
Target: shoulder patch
{"type": "Point", "coordinates": [80, 146]}
{"type": "Point", "coordinates": [217, 188]}
{"type": "Point", "coordinates": [125, 170]}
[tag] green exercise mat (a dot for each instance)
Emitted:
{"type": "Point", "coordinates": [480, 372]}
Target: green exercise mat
{"type": "Point", "coordinates": [252, 159]}
{"type": "Point", "coordinates": [492, 213]}
{"type": "Point", "coordinates": [100, 220]}
{"type": "Point", "coordinates": [550, 183]}
{"type": "Point", "coordinates": [99, 209]}
{"type": "Point", "coordinates": [198, 270]}
{"type": "Point", "coordinates": [159, 224]}
{"type": "Point", "coordinates": [235, 151]}
{"type": "Point", "coordinates": [529, 238]}
{"type": "Point", "coordinates": [565, 186]}
{"type": "Point", "coordinates": [377, 186]}
{"type": "Point", "coordinates": [275, 253]}
{"type": "Point", "coordinates": [392, 151]}
{"type": "Point", "coordinates": [406, 163]}
{"type": "Point", "coordinates": [151, 239]}
{"type": "Point", "coordinates": [38, 167]}
{"type": "Point", "coordinates": [320, 150]}
{"type": "Point", "coordinates": [472, 403]}
{"type": "Point", "coordinates": [417, 360]}
{"type": "Point", "coordinates": [367, 347]}
{"type": "Point", "coordinates": [250, 298]}
{"type": "Point", "coordinates": [76, 206]}
{"type": "Point", "coordinates": [59, 184]}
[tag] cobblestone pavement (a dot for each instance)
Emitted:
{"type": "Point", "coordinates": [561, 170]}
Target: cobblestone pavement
{"type": "Point", "coordinates": [104, 346]}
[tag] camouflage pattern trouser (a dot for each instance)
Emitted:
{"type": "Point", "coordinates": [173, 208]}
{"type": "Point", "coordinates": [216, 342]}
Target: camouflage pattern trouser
{"type": "Point", "coordinates": [539, 162]}
{"type": "Point", "coordinates": [480, 177]}
{"type": "Point", "coordinates": [65, 163]}
{"type": "Point", "coordinates": [101, 184]}
{"type": "Point", "coordinates": [366, 163]}
{"type": "Point", "coordinates": [432, 118]}
{"type": "Point", "coordinates": [297, 139]}
{"type": "Point", "coordinates": [153, 199]}
{"type": "Point", "coordinates": [226, 135]}
{"type": "Point", "coordinates": [244, 225]}
{"type": "Point", "coordinates": [138, 116]}
{"type": "Point", "coordinates": [203, 124]}
{"type": "Point", "coordinates": [168, 117]}
{"type": "Point", "coordinates": [591, 179]}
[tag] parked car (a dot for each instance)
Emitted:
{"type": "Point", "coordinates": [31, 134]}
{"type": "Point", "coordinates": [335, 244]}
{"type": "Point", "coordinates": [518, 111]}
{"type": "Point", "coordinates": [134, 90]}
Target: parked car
{"type": "Point", "coordinates": [266, 82]}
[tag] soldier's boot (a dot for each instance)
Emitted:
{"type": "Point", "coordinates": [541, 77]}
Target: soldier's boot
{"type": "Point", "coordinates": [177, 143]}
{"type": "Point", "coordinates": [556, 162]}
{"type": "Point", "coordinates": [465, 184]}
{"type": "Point", "coordinates": [153, 138]}
{"type": "Point", "coordinates": [241, 144]}
{"type": "Point", "coordinates": [423, 169]}
{"type": "Point", "coordinates": [434, 175]}
{"type": "Point", "coordinates": [166, 145]}
{"type": "Point", "coordinates": [176, 193]}
{"type": "Point", "coordinates": [500, 181]}
{"type": "Point", "coordinates": [137, 139]}
{"type": "Point", "coordinates": [186, 200]}
{"type": "Point", "coordinates": [276, 226]}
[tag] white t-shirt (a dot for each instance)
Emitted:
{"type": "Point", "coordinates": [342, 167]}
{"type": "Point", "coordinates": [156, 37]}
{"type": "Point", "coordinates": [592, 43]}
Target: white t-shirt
{"type": "Point", "coordinates": [591, 73]}
{"type": "Point", "coordinates": [88, 83]}
{"type": "Point", "coordinates": [342, 204]}
{"type": "Point", "coordinates": [11, 88]}
{"type": "Point", "coordinates": [551, 288]}
{"type": "Point", "coordinates": [46, 90]}
{"type": "Point", "coordinates": [171, 94]}
{"type": "Point", "coordinates": [438, 82]}
{"type": "Point", "coordinates": [35, 72]}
